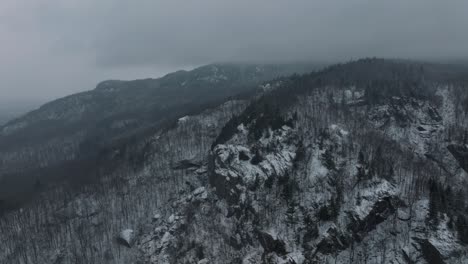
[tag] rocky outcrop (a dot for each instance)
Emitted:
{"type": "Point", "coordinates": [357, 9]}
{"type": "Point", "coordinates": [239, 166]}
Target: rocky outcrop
{"type": "Point", "coordinates": [126, 237]}
{"type": "Point", "coordinates": [379, 212]}
{"type": "Point", "coordinates": [430, 253]}
{"type": "Point", "coordinates": [460, 152]}
{"type": "Point", "coordinates": [333, 241]}
{"type": "Point", "coordinates": [236, 169]}
{"type": "Point", "coordinates": [271, 243]}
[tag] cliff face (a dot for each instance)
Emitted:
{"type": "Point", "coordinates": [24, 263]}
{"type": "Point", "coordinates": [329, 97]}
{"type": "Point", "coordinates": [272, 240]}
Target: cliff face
{"type": "Point", "coordinates": [359, 163]}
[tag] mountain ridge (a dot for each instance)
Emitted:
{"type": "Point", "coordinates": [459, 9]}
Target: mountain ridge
{"type": "Point", "coordinates": [362, 162]}
{"type": "Point", "coordinates": [73, 131]}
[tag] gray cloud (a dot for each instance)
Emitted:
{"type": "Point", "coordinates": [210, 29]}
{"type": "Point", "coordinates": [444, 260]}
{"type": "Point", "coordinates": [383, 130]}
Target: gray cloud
{"type": "Point", "coordinates": [203, 31]}
{"type": "Point", "coordinates": [55, 47]}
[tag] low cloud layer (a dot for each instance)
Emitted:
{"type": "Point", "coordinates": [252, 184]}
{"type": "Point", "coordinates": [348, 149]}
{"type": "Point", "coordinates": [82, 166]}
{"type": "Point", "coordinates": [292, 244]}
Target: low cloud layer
{"type": "Point", "coordinates": [55, 47]}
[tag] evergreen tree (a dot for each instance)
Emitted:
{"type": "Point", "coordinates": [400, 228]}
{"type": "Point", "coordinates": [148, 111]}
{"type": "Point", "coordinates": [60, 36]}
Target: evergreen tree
{"type": "Point", "coordinates": [290, 213]}
{"type": "Point", "coordinates": [361, 170]}
{"type": "Point", "coordinates": [328, 160]}
{"type": "Point", "coordinates": [434, 202]}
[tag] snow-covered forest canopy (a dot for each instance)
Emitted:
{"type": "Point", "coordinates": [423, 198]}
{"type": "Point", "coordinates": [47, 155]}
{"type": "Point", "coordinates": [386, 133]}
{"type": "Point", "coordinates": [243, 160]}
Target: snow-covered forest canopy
{"type": "Point", "coordinates": [361, 162]}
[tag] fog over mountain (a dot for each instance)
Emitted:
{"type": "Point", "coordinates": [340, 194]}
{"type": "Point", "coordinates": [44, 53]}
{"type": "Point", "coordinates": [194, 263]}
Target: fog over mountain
{"type": "Point", "coordinates": [11, 109]}
{"type": "Point", "coordinates": [51, 48]}
{"type": "Point", "coordinates": [233, 132]}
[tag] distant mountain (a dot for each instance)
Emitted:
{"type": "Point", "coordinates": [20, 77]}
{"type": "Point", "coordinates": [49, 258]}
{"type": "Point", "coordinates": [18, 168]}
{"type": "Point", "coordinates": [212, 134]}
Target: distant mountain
{"type": "Point", "coordinates": [363, 162]}
{"type": "Point", "coordinates": [4, 117]}
{"type": "Point", "coordinates": [72, 132]}
{"type": "Point", "coordinates": [12, 109]}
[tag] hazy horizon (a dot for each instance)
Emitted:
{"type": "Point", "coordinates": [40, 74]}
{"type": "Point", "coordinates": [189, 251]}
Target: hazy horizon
{"type": "Point", "coordinates": [299, 131]}
{"type": "Point", "coordinates": [53, 48]}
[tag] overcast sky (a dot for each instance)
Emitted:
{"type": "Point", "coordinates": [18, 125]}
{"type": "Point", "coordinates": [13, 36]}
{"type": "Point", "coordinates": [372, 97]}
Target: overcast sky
{"type": "Point", "coordinates": [51, 48]}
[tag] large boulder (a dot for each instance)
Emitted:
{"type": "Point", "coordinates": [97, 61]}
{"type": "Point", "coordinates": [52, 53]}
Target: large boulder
{"type": "Point", "coordinates": [126, 237]}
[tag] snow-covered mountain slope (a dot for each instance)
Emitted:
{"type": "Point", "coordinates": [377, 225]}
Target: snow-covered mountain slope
{"type": "Point", "coordinates": [364, 162]}
{"type": "Point", "coordinates": [69, 134]}
{"type": "Point", "coordinates": [337, 176]}
{"type": "Point", "coordinates": [83, 226]}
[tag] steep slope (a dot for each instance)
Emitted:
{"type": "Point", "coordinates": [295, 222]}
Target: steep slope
{"type": "Point", "coordinates": [355, 170]}
{"type": "Point", "coordinates": [140, 181]}
{"type": "Point", "coordinates": [363, 162]}
{"type": "Point", "coordinates": [64, 138]}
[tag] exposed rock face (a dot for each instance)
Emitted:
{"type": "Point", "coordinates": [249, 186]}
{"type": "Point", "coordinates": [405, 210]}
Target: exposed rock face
{"type": "Point", "coordinates": [430, 253]}
{"type": "Point", "coordinates": [332, 241]}
{"type": "Point", "coordinates": [234, 176]}
{"type": "Point", "coordinates": [380, 211]}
